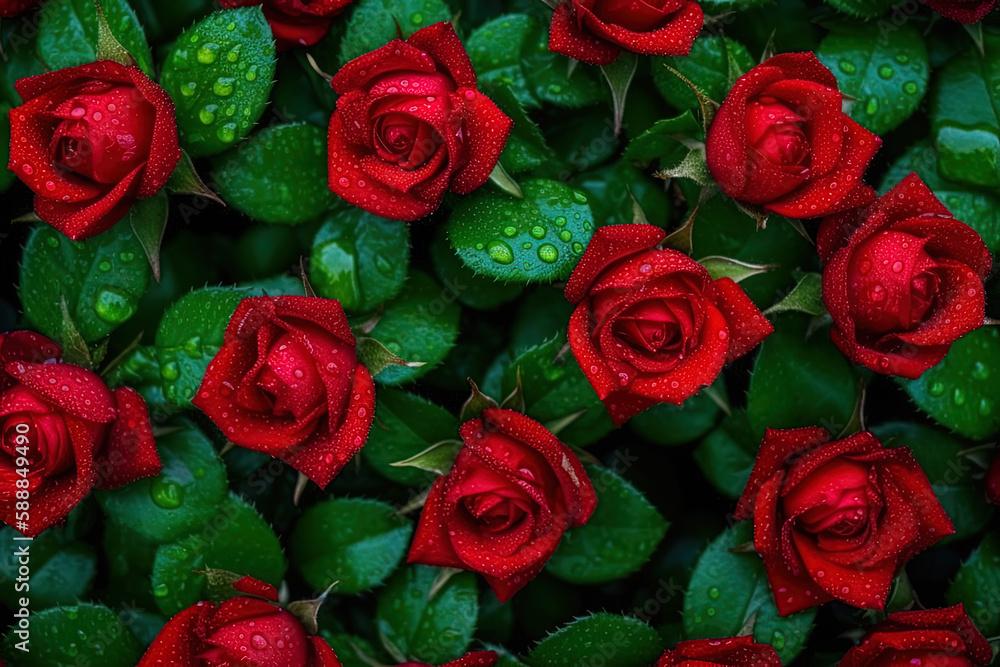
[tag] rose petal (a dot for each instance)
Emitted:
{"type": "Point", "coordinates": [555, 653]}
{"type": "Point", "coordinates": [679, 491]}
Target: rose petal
{"type": "Point", "coordinates": [608, 245]}
{"type": "Point", "coordinates": [130, 452]}
{"type": "Point", "coordinates": [566, 37]}
{"type": "Point", "coordinates": [747, 326]}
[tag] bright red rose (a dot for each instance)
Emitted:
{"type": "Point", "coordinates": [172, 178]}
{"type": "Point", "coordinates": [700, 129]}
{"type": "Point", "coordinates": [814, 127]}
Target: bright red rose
{"type": "Point", "coordinates": [837, 520]}
{"type": "Point", "coordinates": [963, 11]}
{"type": "Point", "coordinates": [411, 125]}
{"type": "Point", "coordinates": [501, 511]}
{"type": "Point", "coordinates": [928, 637]}
{"type": "Point", "coordinates": [66, 431]}
{"type": "Point", "coordinates": [240, 631]}
{"type": "Point", "coordinates": [287, 382]}
{"type": "Point", "coordinates": [11, 8]}
{"type": "Point", "coordinates": [730, 652]}
{"type": "Point", "coordinates": [902, 279]}
{"type": "Point", "coordinates": [474, 659]}
{"type": "Point", "coordinates": [597, 31]}
{"type": "Point", "coordinates": [782, 142]}
{"type": "Point", "coordinates": [651, 326]}
{"type": "Point", "coordinates": [89, 141]}
{"type": "Point", "coordinates": [296, 22]}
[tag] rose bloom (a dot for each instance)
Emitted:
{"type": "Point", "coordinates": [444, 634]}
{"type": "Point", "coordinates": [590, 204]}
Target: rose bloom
{"type": "Point", "coordinates": [501, 511]}
{"type": "Point", "coordinates": [902, 280]}
{"type": "Point", "coordinates": [730, 652]}
{"type": "Point", "coordinates": [287, 382]}
{"type": "Point", "coordinates": [411, 125]}
{"type": "Point", "coordinates": [63, 433]}
{"type": "Point", "coordinates": [651, 326]}
{"type": "Point", "coordinates": [837, 520]}
{"type": "Point", "coordinates": [928, 637]}
{"type": "Point", "coordinates": [781, 141]}
{"type": "Point", "coordinates": [89, 141]}
{"type": "Point", "coordinates": [11, 8]}
{"type": "Point", "coordinates": [240, 631]}
{"type": "Point", "coordinates": [597, 31]}
{"type": "Point", "coordinates": [474, 659]}
{"type": "Point", "coordinates": [963, 11]}
{"type": "Point", "coordinates": [296, 22]}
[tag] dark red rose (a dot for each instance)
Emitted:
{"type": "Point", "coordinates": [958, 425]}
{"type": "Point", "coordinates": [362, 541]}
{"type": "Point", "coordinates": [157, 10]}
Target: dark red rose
{"type": "Point", "coordinates": [240, 631]}
{"type": "Point", "coordinates": [902, 279]}
{"type": "Point", "coordinates": [11, 8]}
{"type": "Point", "coordinates": [474, 659]}
{"type": "Point", "coordinates": [928, 637]}
{"type": "Point", "coordinates": [651, 326]}
{"type": "Point", "coordinates": [782, 142]}
{"type": "Point", "coordinates": [837, 520]}
{"type": "Point", "coordinates": [411, 125]}
{"type": "Point", "coordinates": [730, 652]}
{"type": "Point", "coordinates": [287, 382]}
{"type": "Point", "coordinates": [993, 480]}
{"type": "Point", "coordinates": [963, 11]}
{"type": "Point", "coordinates": [597, 31]}
{"type": "Point", "coordinates": [89, 141]}
{"type": "Point", "coordinates": [66, 431]}
{"type": "Point", "coordinates": [296, 22]}
{"type": "Point", "coordinates": [501, 511]}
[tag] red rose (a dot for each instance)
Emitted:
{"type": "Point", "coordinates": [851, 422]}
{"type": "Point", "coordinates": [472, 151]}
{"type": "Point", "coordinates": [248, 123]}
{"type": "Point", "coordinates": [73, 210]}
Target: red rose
{"type": "Point", "coordinates": [731, 652]}
{"type": "Point", "coordinates": [89, 141]}
{"type": "Point", "coordinates": [296, 22]}
{"type": "Point", "coordinates": [963, 11]}
{"type": "Point", "coordinates": [928, 637]}
{"type": "Point", "coordinates": [64, 433]}
{"type": "Point", "coordinates": [240, 631]}
{"type": "Point", "coordinates": [474, 659]}
{"type": "Point", "coordinates": [651, 326]}
{"type": "Point", "coordinates": [411, 125]}
{"type": "Point", "coordinates": [501, 511]}
{"type": "Point", "coordinates": [837, 520]}
{"type": "Point", "coordinates": [11, 8]}
{"type": "Point", "coordinates": [902, 280]}
{"type": "Point", "coordinates": [781, 141]}
{"type": "Point", "coordinates": [597, 31]}
{"type": "Point", "coordinates": [287, 382]}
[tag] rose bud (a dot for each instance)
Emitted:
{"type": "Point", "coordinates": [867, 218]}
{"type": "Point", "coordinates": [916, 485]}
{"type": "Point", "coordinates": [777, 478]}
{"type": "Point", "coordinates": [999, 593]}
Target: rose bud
{"type": "Point", "coordinates": [928, 637]}
{"type": "Point", "coordinates": [837, 520]}
{"type": "Point", "coordinates": [11, 8]}
{"type": "Point", "coordinates": [651, 326]}
{"type": "Point", "coordinates": [474, 659]}
{"type": "Point", "coordinates": [287, 382]}
{"type": "Point", "coordinates": [296, 22]}
{"type": "Point", "coordinates": [240, 631]}
{"type": "Point", "coordinates": [64, 433]}
{"type": "Point", "coordinates": [963, 11]}
{"type": "Point", "coordinates": [501, 511]}
{"type": "Point", "coordinates": [411, 125]}
{"type": "Point", "coordinates": [731, 652]}
{"type": "Point", "coordinates": [89, 141]}
{"type": "Point", "coordinates": [902, 280]}
{"type": "Point", "coordinates": [781, 141]}
{"type": "Point", "coordinates": [597, 31]}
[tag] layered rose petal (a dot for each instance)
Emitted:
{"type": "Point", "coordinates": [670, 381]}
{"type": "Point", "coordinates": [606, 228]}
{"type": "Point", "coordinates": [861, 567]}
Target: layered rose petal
{"type": "Point", "coordinates": [970, 11]}
{"type": "Point", "coordinates": [296, 23]}
{"type": "Point", "coordinates": [729, 652]}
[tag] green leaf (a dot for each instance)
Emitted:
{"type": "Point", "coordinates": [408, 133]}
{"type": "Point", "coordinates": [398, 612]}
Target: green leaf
{"type": "Point", "coordinates": [618, 539]}
{"type": "Point", "coordinates": [726, 267]}
{"type": "Point", "coordinates": [962, 391]}
{"type": "Point", "coordinates": [376, 357]}
{"type": "Point", "coordinates": [75, 350]}
{"type": "Point", "coordinates": [102, 279]}
{"type": "Point", "coordinates": [526, 148]}
{"type": "Point", "coordinates": [354, 541]}
{"type": "Point", "coordinates": [886, 71]}
{"type": "Point", "coordinates": [186, 181]}
{"type": "Point", "coordinates": [419, 325]}
{"type": "Point", "coordinates": [279, 175]}
{"type": "Point", "coordinates": [727, 589]}
{"type": "Point", "coordinates": [619, 76]}
{"type": "Point", "coordinates": [359, 259]}
{"type": "Point", "coordinates": [664, 138]}
{"type": "Point", "coordinates": [234, 538]}
{"type": "Point", "coordinates": [711, 65]}
{"type": "Point", "coordinates": [671, 425]}
{"type": "Point", "coordinates": [949, 471]}
{"type": "Point", "coordinates": [108, 46]}
{"type": "Point", "coordinates": [495, 49]}
{"type": "Point", "coordinates": [69, 36]}
{"type": "Point", "coordinates": [589, 641]}
{"type": "Point", "coordinates": [62, 568]}
{"type": "Point", "coordinates": [726, 455]}
{"type": "Point", "coordinates": [179, 500]}
{"type": "Point", "coordinates": [964, 121]}
{"type": "Point", "coordinates": [436, 629]}
{"type": "Point", "coordinates": [190, 335]}
{"type": "Point", "coordinates": [438, 458]}
{"type": "Point", "coordinates": [219, 73]}
{"type": "Point", "coordinates": [806, 297]}
{"type": "Point", "coordinates": [80, 634]}
{"type": "Point", "coordinates": [977, 585]}
{"type": "Point", "coordinates": [405, 425]}
{"type": "Point", "coordinates": [799, 381]}
{"type": "Point", "coordinates": [536, 239]}
{"type": "Point", "coordinates": [148, 219]}
{"type": "Point", "coordinates": [475, 291]}
{"type": "Point", "coordinates": [375, 23]}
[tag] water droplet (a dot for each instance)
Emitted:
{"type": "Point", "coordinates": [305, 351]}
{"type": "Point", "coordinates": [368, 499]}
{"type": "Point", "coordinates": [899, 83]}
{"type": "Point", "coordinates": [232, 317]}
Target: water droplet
{"type": "Point", "coordinates": [251, 74]}
{"type": "Point", "coordinates": [416, 18]}
{"type": "Point", "coordinates": [161, 590]}
{"type": "Point", "coordinates": [187, 90]}
{"type": "Point", "coordinates": [170, 371]}
{"type": "Point", "coordinates": [258, 641]}
{"type": "Point", "coordinates": [985, 407]}
{"type": "Point", "coordinates": [902, 58]}
{"type": "Point", "coordinates": [555, 88]}
{"type": "Point", "coordinates": [714, 593]}
{"type": "Point", "coordinates": [126, 256]}
{"type": "Point", "coordinates": [166, 494]}
{"type": "Point", "coordinates": [78, 112]}
{"type": "Point", "coordinates": [910, 87]}
{"type": "Point", "coordinates": [580, 197]}
{"type": "Point", "coordinates": [958, 396]}
{"type": "Point", "coordinates": [27, 169]}
{"type": "Point", "coordinates": [548, 253]}
{"type": "Point", "coordinates": [52, 241]}
{"type": "Point", "coordinates": [111, 305]}
{"type": "Point", "coordinates": [207, 114]}
{"type": "Point", "coordinates": [223, 86]}
{"type": "Point", "coordinates": [227, 132]}
{"type": "Point", "coordinates": [877, 293]}
{"type": "Point", "coordinates": [865, 267]}
{"type": "Point", "coordinates": [937, 388]}
{"type": "Point", "coordinates": [886, 71]}
{"type": "Point", "coordinates": [510, 231]}
{"type": "Point", "coordinates": [208, 53]}
{"type": "Point", "coordinates": [537, 231]}
{"type": "Point", "coordinates": [105, 265]}
{"type": "Point", "coordinates": [980, 371]}
{"type": "Point", "coordinates": [566, 235]}
{"type": "Point", "coordinates": [560, 221]}
{"type": "Point", "coordinates": [500, 252]}
{"type": "Point", "coordinates": [577, 247]}
{"type": "Point", "coordinates": [847, 67]}
{"type": "Point", "coordinates": [897, 266]}
{"type": "Point", "coordinates": [872, 107]}
{"type": "Point", "coordinates": [778, 640]}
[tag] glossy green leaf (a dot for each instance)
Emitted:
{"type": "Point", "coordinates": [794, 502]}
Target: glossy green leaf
{"type": "Point", "coordinates": [806, 297]}
{"type": "Point", "coordinates": [500, 67]}
{"type": "Point", "coordinates": [475, 291]}
{"type": "Point", "coordinates": [727, 588]}
{"type": "Point", "coordinates": [414, 625]}
{"type": "Point", "coordinates": [219, 74]}
{"type": "Point", "coordinates": [713, 65]}
{"type": "Point", "coordinates": [614, 190]}
{"type": "Point", "coordinates": [148, 219]}
{"type": "Point", "coordinates": [353, 541]}
{"type": "Point", "coordinates": [62, 568]}
{"type": "Point", "coordinates": [80, 634]}
{"type": "Point", "coordinates": [663, 138]}
{"type": "Point", "coordinates": [526, 148]}
{"type": "Point", "coordinates": [726, 455]}
{"type": "Point", "coordinates": [618, 539]}
{"type": "Point", "coordinates": [599, 638]}
{"type": "Point", "coordinates": [69, 35]}
{"type": "Point", "coordinates": [374, 23]}
{"type": "Point", "coordinates": [977, 585]}
{"type": "Point", "coordinates": [670, 425]}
